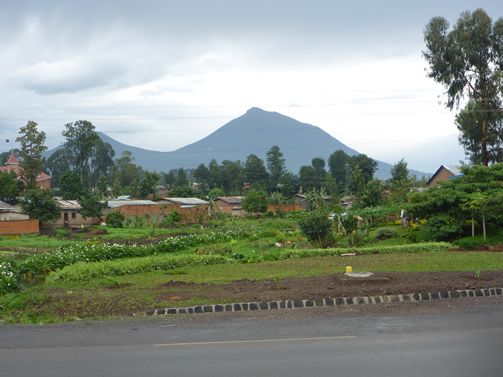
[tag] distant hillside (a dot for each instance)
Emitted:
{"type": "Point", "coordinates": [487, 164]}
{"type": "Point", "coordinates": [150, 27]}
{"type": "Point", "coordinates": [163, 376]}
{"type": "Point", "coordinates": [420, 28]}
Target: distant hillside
{"type": "Point", "coordinates": [255, 132]}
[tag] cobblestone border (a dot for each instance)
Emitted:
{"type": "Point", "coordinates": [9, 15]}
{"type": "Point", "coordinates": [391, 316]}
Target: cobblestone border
{"type": "Point", "coordinates": [342, 301]}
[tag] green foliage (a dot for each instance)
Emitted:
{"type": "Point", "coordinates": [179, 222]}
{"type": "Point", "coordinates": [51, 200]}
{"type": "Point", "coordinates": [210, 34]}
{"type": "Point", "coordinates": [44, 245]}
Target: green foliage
{"type": "Point", "coordinates": [446, 206]}
{"type": "Point", "coordinates": [349, 222]}
{"type": "Point", "coordinates": [32, 146]}
{"type": "Point", "coordinates": [215, 193]}
{"type": "Point", "coordinates": [255, 201]}
{"type": "Point", "coordinates": [467, 61]}
{"type": "Point", "coordinates": [372, 196]}
{"type": "Point", "coordinates": [276, 166]}
{"type": "Point", "coordinates": [39, 205]}
{"type": "Point", "coordinates": [94, 270]}
{"type": "Point", "coordinates": [385, 233]}
{"type": "Point", "coordinates": [9, 189]}
{"type": "Point", "coordinates": [60, 232]}
{"type": "Point", "coordinates": [429, 247]}
{"type": "Point", "coordinates": [102, 185]}
{"type": "Point", "coordinates": [81, 138]}
{"type": "Point", "coordinates": [469, 122]}
{"type": "Point", "coordinates": [138, 222]}
{"type": "Point", "coordinates": [173, 217]}
{"type": "Point", "coordinates": [65, 256]}
{"type": "Point", "coordinates": [115, 219]}
{"type": "Point", "coordinates": [9, 278]}
{"type": "Point", "coordinates": [70, 185]}
{"type": "Point", "coordinates": [317, 226]}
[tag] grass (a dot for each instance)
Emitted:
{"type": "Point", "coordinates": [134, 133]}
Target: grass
{"type": "Point", "coordinates": [55, 302]}
{"type": "Point", "coordinates": [103, 297]}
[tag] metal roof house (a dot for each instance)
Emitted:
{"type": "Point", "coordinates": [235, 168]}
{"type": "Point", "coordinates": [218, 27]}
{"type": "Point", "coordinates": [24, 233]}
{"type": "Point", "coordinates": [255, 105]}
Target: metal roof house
{"type": "Point", "coordinates": [444, 173]}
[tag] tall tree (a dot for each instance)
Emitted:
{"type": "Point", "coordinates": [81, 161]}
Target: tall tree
{"type": "Point", "coordinates": [32, 145]}
{"type": "Point", "coordinates": [399, 172]}
{"type": "Point", "coordinates": [214, 175]}
{"type": "Point", "coordinates": [467, 61]}
{"type": "Point", "coordinates": [276, 166]}
{"type": "Point", "coordinates": [102, 158]}
{"type": "Point", "coordinates": [81, 138]}
{"type": "Point", "coordinates": [232, 176]}
{"type": "Point", "coordinates": [309, 178]}
{"type": "Point", "coordinates": [255, 171]}
{"type": "Point", "coordinates": [57, 164]}
{"type": "Point", "coordinates": [469, 123]}
{"type": "Point", "coordinates": [125, 169]}
{"type": "Point", "coordinates": [367, 165]}
{"type": "Point", "coordinates": [148, 185]}
{"type": "Point", "coordinates": [70, 185]}
{"type": "Point", "coordinates": [181, 179]}
{"type": "Point", "coordinates": [338, 163]}
{"type": "Point", "coordinates": [201, 174]}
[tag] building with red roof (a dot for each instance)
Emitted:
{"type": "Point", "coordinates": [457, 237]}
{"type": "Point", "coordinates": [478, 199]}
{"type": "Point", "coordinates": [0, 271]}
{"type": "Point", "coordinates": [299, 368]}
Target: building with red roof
{"type": "Point", "coordinates": [12, 165]}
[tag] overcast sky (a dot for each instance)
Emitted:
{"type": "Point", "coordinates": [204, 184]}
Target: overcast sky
{"type": "Point", "coordinates": [163, 74]}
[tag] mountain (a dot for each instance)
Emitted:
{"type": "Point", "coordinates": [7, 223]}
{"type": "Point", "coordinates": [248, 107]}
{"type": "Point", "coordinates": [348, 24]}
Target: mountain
{"type": "Point", "coordinates": [255, 132]}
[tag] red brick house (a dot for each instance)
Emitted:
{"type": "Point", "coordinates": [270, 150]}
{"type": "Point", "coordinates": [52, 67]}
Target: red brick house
{"type": "Point", "coordinates": [12, 165]}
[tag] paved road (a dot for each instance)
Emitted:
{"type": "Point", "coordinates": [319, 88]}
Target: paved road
{"type": "Point", "coordinates": [460, 341]}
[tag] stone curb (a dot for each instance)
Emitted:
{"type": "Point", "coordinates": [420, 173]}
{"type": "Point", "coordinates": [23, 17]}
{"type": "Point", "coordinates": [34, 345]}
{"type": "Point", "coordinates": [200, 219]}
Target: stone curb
{"type": "Point", "coordinates": [342, 301]}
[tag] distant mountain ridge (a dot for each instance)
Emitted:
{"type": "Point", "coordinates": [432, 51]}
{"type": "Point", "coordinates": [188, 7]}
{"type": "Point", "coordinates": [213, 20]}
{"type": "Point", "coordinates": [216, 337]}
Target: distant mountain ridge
{"type": "Point", "coordinates": [255, 132]}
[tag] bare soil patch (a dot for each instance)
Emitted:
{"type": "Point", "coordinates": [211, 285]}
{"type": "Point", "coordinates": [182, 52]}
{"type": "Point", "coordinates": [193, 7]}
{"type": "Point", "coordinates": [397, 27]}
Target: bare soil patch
{"type": "Point", "coordinates": [333, 286]}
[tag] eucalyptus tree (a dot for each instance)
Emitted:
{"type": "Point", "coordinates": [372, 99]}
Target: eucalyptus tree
{"type": "Point", "coordinates": [467, 61]}
{"type": "Point", "coordinates": [469, 122]}
{"type": "Point", "coordinates": [276, 166]}
{"type": "Point", "coordinates": [32, 145]}
{"type": "Point", "coordinates": [81, 139]}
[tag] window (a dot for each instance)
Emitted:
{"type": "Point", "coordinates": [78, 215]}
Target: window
{"type": "Point", "coordinates": [73, 215]}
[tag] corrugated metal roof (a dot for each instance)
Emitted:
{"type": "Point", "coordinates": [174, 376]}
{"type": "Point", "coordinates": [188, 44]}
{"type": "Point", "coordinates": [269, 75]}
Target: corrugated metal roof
{"type": "Point", "coordinates": [187, 201]}
{"type": "Point", "coordinates": [6, 207]}
{"type": "Point", "coordinates": [120, 203]}
{"type": "Point", "coordinates": [455, 170]}
{"type": "Point", "coordinates": [68, 204]}
{"type": "Point", "coordinates": [231, 199]}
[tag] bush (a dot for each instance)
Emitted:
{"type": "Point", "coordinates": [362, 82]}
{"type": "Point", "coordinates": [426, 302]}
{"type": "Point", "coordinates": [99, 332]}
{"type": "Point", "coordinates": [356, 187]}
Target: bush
{"type": "Point", "coordinates": [317, 226]}
{"type": "Point", "coordinates": [385, 233]}
{"type": "Point", "coordinates": [115, 219]}
{"type": "Point", "coordinates": [269, 214]}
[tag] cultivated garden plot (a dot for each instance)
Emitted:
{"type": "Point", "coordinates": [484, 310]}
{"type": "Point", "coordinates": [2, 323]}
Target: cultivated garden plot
{"type": "Point", "coordinates": [105, 272]}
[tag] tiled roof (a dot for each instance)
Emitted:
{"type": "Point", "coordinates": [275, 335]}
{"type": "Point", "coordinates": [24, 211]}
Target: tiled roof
{"type": "Point", "coordinates": [12, 160]}
{"type": "Point", "coordinates": [42, 177]}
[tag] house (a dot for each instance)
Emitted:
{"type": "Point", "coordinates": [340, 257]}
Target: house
{"type": "Point", "coordinates": [229, 204]}
{"type": "Point", "coordinates": [70, 218]}
{"type": "Point", "coordinates": [132, 208]}
{"type": "Point", "coordinates": [444, 173]}
{"type": "Point", "coordinates": [12, 165]}
{"type": "Point", "coordinates": [10, 213]}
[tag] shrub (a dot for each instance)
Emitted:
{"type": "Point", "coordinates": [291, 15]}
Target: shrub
{"type": "Point", "coordinates": [60, 232]}
{"type": "Point", "coordinates": [385, 233]}
{"type": "Point", "coordinates": [269, 214]}
{"type": "Point", "coordinates": [115, 219]}
{"type": "Point", "coordinates": [317, 226]}
{"type": "Point", "coordinates": [89, 271]}
{"type": "Point", "coordinates": [139, 222]}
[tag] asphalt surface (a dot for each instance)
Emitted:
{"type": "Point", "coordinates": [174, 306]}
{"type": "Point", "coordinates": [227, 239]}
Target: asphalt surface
{"type": "Point", "coordinates": [458, 337]}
